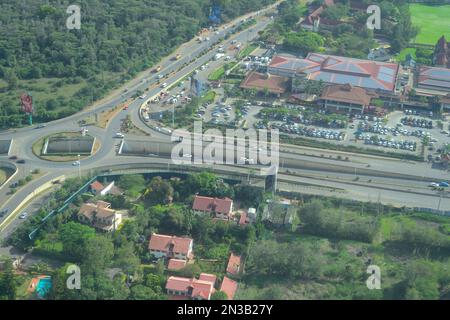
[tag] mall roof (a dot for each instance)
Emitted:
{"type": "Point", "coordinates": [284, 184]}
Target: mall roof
{"type": "Point", "coordinates": [341, 70]}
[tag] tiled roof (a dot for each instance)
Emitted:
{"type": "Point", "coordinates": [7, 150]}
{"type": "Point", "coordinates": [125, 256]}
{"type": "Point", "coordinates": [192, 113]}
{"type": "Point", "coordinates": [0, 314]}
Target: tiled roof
{"type": "Point", "coordinates": [234, 264]}
{"type": "Point", "coordinates": [163, 242]}
{"type": "Point", "coordinates": [435, 77]}
{"type": "Point", "coordinates": [347, 93]}
{"type": "Point", "coordinates": [341, 70]}
{"type": "Point", "coordinates": [208, 204]}
{"type": "Point", "coordinates": [199, 288]}
{"type": "Point", "coordinates": [260, 81]}
{"type": "Point", "coordinates": [229, 287]}
{"type": "Point", "coordinates": [176, 264]}
{"type": "Point", "coordinates": [97, 186]}
{"type": "Point", "coordinates": [208, 277]}
{"type": "Point", "coordinates": [101, 210]}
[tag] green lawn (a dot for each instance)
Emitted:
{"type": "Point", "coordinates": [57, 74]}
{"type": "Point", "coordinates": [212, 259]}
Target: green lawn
{"type": "Point", "coordinates": [217, 74]}
{"type": "Point", "coordinates": [433, 22]}
{"type": "Point", "coordinates": [246, 51]}
{"type": "Point", "coordinates": [402, 55]}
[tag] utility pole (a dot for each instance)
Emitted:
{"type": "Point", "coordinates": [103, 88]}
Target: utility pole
{"type": "Point", "coordinates": [173, 116]}
{"type": "Point", "coordinates": [79, 167]}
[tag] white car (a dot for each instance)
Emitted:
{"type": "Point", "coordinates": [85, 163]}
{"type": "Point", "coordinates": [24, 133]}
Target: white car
{"type": "Point", "coordinates": [119, 135]}
{"type": "Point", "coordinates": [433, 184]}
{"type": "Point", "coordinates": [187, 155]}
{"type": "Point", "coordinates": [142, 96]}
{"type": "Point", "coordinates": [164, 85]}
{"type": "Point", "coordinates": [23, 215]}
{"type": "Point", "coordinates": [76, 163]}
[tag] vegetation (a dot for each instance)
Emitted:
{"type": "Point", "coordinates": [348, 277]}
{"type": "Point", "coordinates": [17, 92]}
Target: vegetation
{"type": "Point", "coordinates": [432, 21]}
{"type": "Point", "coordinates": [65, 70]}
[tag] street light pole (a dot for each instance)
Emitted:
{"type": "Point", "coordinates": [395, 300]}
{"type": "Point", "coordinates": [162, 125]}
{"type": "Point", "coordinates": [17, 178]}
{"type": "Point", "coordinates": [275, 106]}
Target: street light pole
{"type": "Point", "coordinates": [79, 167]}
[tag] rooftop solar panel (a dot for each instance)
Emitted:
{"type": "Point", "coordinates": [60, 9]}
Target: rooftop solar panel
{"type": "Point", "coordinates": [387, 70]}
{"type": "Point", "coordinates": [386, 77]}
{"type": "Point", "coordinates": [436, 83]}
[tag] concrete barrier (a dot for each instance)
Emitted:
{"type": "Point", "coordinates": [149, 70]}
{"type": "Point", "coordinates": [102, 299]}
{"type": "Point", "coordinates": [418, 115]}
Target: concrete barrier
{"type": "Point", "coordinates": [44, 187]}
{"type": "Point", "coordinates": [9, 165]}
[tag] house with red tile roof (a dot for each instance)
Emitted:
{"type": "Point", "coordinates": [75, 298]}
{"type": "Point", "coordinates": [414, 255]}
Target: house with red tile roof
{"type": "Point", "coordinates": [98, 188]}
{"type": "Point", "coordinates": [229, 287]}
{"type": "Point", "coordinates": [220, 208]}
{"type": "Point", "coordinates": [198, 289]}
{"type": "Point", "coordinates": [234, 265]}
{"type": "Point", "coordinates": [100, 216]}
{"type": "Point", "coordinates": [176, 264]}
{"type": "Point", "coordinates": [163, 246]}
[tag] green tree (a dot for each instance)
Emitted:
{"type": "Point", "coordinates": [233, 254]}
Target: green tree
{"type": "Point", "coordinates": [7, 282]}
{"type": "Point", "coordinates": [219, 295]}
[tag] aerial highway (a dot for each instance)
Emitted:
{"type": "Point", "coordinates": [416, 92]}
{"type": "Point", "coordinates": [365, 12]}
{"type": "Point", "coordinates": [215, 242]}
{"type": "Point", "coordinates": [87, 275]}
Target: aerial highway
{"type": "Point", "coordinates": [396, 182]}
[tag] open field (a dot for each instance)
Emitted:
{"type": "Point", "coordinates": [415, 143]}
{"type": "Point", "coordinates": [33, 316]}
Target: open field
{"type": "Point", "coordinates": [432, 20]}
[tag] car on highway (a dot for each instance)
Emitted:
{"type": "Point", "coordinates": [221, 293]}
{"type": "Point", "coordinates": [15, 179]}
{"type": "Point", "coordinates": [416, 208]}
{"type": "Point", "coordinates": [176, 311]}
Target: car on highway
{"type": "Point", "coordinates": [24, 215]}
{"type": "Point", "coordinates": [126, 107]}
{"type": "Point", "coordinates": [433, 184]}
{"type": "Point", "coordinates": [142, 96]}
{"type": "Point", "coordinates": [164, 85]}
{"type": "Point", "coordinates": [76, 163]}
{"type": "Point", "coordinates": [13, 158]}
{"type": "Point", "coordinates": [21, 161]}
{"type": "Point", "coordinates": [3, 213]}
{"type": "Point", "coordinates": [119, 135]}
{"type": "Point", "coordinates": [444, 184]}
{"type": "Point", "coordinates": [40, 126]}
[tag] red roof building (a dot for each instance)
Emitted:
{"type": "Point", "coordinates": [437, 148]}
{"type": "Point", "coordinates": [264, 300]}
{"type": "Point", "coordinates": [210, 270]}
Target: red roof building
{"type": "Point", "coordinates": [96, 187]}
{"type": "Point", "coordinates": [221, 208]}
{"type": "Point", "coordinates": [261, 82]}
{"type": "Point", "coordinates": [234, 264]}
{"type": "Point", "coordinates": [368, 74]}
{"type": "Point", "coordinates": [176, 264]}
{"type": "Point", "coordinates": [346, 97]}
{"type": "Point", "coordinates": [191, 288]}
{"type": "Point", "coordinates": [229, 287]}
{"type": "Point", "coordinates": [100, 216]}
{"type": "Point", "coordinates": [170, 246]}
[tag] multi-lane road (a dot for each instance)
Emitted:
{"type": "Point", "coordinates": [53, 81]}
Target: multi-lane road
{"type": "Point", "coordinates": [307, 170]}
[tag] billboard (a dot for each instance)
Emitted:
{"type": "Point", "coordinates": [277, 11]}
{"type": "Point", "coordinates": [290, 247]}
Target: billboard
{"type": "Point", "coordinates": [27, 103]}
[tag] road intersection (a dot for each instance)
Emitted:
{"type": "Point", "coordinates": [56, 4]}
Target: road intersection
{"type": "Point", "coordinates": [401, 183]}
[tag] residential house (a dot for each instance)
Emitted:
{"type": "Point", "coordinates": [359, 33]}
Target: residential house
{"type": "Point", "coordinates": [98, 188]}
{"type": "Point", "coordinates": [100, 216]}
{"type": "Point", "coordinates": [163, 246]}
{"type": "Point", "coordinates": [234, 265]}
{"type": "Point", "coordinates": [197, 289]}
{"type": "Point", "coordinates": [176, 264]}
{"type": "Point", "coordinates": [220, 208]}
{"type": "Point", "coordinates": [229, 287]}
